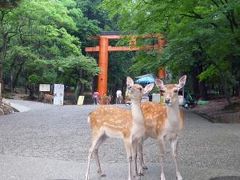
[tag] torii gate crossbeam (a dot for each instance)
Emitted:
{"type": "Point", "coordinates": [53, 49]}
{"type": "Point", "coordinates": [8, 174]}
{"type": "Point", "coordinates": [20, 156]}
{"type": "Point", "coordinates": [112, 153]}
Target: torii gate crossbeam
{"type": "Point", "coordinates": [104, 49]}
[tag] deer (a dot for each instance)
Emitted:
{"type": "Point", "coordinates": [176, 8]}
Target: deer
{"type": "Point", "coordinates": [48, 98]}
{"type": "Point", "coordinates": [164, 122]}
{"type": "Point", "coordinates": [114, 122]}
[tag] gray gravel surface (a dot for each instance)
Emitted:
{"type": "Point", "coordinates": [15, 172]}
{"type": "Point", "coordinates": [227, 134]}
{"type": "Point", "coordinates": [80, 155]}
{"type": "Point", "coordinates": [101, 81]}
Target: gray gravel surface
{"type": "Point", "coordinates": [51, 142]}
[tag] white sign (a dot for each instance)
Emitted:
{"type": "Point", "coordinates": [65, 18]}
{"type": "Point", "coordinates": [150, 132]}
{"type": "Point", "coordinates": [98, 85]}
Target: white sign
{"type": "Point", "coordinates": [44, 87]}
{"type": "Point", "coordinates": [58, 94]}
{"type": "Point", "coordinates": [181, 100]}
{"type": "Point", "coordinates": [80, 100]}
{"type": "Point", "coordinates": [156, 98]}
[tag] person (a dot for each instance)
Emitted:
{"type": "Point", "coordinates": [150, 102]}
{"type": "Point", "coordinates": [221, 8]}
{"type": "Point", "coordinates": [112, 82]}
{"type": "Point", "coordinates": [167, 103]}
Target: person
{"type": "Point", "coordinates": [145, 98]}
{"type": "Point", "coordinates": [127, 98]}
{"type": "Point", "coordinates": [150, 96]}
{"type": "Point", "coordinates": [95, 97]}
{"type": "Point", "coordinates": [119, 97]}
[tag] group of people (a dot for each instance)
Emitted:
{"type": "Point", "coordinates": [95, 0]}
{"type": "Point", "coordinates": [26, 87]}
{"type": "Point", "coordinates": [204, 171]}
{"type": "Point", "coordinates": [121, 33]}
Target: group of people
{"type": "Point", "coordinates": [119, 98]}
{"type": "Point", "coordinates": [97, 99]}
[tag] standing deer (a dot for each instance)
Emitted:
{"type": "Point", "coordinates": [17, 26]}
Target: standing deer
{"type": "Point", "coordinates": [164, 122]}
{"type": "Point", "coordinates": [48, 98]}
{"type": "Point", "coordinates": [120, 123]}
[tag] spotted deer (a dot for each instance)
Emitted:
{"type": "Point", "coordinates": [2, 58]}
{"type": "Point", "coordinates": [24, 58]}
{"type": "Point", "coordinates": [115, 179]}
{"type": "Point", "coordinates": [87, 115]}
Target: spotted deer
{"type": "Point", "coordinates": [48, 98]}
{"type": "Point", "coordinates": [164, 122]}
{"type": "Point", "coordinates": [115, 122]}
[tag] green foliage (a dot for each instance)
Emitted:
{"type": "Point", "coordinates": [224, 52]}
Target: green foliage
{"type": "Point", "coordinates": [203, 36]}
{"type": "Point", "coordinates": [7, 4]}
{"type": "Point", "coordinates": [75, 69]}
{"type": "Point", "coordinates": [119, 65]}
{"type": "Point", "coordinates": [40, 43]}
{"type": "Point", "coordinates": [144, 63]}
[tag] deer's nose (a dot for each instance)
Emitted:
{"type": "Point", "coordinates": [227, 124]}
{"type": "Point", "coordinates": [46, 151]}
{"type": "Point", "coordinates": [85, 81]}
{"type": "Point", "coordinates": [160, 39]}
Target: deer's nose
{"type": "Point", "coordinates": [167, 100]}
{"type": "Point", "coordinates": [129, 88]}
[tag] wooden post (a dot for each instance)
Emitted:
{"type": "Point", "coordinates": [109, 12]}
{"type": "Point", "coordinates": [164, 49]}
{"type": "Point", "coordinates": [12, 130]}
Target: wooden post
{"type": "Point", "coordinates": [161, 73]}
{"type": "Point", "coordinates": [103, 65]}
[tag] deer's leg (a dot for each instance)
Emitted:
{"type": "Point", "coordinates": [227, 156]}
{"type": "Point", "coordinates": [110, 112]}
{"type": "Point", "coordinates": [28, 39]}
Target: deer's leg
{"type": "Point", "coordinates": [162, 151]}
{"type": "Point", "coordinates": [141, 161]}
{"type": "Point", "coordinates": [101, 140]}
{"type": "Point", "coordinates": [91, 150]}
{"type": "Point", "coordinates": [174, 146]}
{"type": "Point", "coordinates": [134, 155]}
{"type": "Point", "coordinates": [129, 149]}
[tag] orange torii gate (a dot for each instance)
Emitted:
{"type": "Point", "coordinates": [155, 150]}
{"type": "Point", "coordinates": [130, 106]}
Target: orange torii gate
{"type": "Point", "coordinates": [104, 48]}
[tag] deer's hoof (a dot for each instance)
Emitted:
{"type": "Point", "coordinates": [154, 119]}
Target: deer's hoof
{"type": "Point", "coordinates": [103, 175]}
{"type": "Point", "coordinates": [141, 172]}
{"type": "Point", "coordinates": [137, 177]}
{"type": "Point", "coordinates": [179, 178]}
{"type": "Point", "coordinates": [145, 167]}
{"type": "Point", "coordinates": [163, 177]}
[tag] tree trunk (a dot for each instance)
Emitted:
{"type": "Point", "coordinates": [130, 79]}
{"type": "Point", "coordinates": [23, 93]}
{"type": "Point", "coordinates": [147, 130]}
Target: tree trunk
{"type": "Point", "coordinates": [3, 51]}
{"type": "Point", "coordinates": [203, 90]}
{"type": "Point", "coordinates": [0, 93]}
{"type": "Point", "coordinates": [77, 91]}
{"type": "Point", "coordinates": [238, 90]}
{"type": "Point", "coordinates": [223, 79]}
{"type": "Point", "coordinates": [226, 92]}
{"type": "Point", "coordinates": [11, 82]}
{"type": "Point", "coordinates": [81, 89]}
{"type": "Point", "coordinates": [15, 80]}
{"type": "Point", "coordinates": [225, 88]}
{"type": "Point", "coordinates": [31, 88]}
{"type": "Point", "coordinates": [1, 82]}
{"type": "Point", "coordinates": [195, 82]}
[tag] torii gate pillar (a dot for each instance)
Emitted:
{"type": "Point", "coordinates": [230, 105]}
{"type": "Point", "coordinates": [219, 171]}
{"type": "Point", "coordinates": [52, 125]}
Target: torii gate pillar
{"type": "Point", "coordinates": [103, 64]}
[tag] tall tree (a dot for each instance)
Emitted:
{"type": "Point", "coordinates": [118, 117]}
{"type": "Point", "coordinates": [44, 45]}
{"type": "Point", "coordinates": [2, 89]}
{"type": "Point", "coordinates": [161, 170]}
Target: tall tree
{"type": "Point", "coordinates": [39, 34]}
{"type": "Point", "coordinates": [203, 36]}
{"type": "Point", "coordinates": [9, 3]}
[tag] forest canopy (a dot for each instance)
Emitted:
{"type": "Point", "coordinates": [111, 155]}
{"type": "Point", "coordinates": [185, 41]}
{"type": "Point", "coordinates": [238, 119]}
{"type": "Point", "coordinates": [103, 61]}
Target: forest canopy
{"type": "Point", "coordinates": [203, 39]}
{"type": "Point", "coordinates": [43, 42]}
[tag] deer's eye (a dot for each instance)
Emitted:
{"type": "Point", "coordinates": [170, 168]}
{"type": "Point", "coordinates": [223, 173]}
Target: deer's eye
{"type": "Point", "coordinates": [140, 89]}
{"type": "Point", "coordinates": [175, 91]}
{"type": "Point", "coordinates": [162, 91]}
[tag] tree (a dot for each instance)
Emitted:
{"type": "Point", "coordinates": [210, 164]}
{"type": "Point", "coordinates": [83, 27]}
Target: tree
{"type": "Point", "coordinates": [203, 37]}
{"type": "Point", "coordinates": [9, 3]}
{"type": "Point", "coordinates": [37, 36]}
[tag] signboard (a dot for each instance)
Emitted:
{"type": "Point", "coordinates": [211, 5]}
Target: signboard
{"type": "Point", "coordinates": [44, 87]}
{"type": "Point", "coordinates": [156, 98]}
{"type": "Point", "coordinates": [181, 100]}
{"type": "Point", "coordinates": [58, 94]}
{"type": "Point", "coordinates": [80, 100]}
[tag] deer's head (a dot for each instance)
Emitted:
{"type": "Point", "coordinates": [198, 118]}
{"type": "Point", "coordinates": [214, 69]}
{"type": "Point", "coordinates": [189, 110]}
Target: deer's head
{"type": "Point", "coordinates": [170, 91]}
{"type": "Point", "coordinates": [136, 91]}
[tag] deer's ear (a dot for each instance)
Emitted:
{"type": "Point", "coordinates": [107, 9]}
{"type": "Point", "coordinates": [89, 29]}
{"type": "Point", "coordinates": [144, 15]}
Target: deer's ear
{"type": "Point", "coordinates": [182, 81]}
{"type": "Point", "coordinates": [159, 83]}
{"type": "Point", "coordinates": [148, 88]}
{"type": "Point", "coordinates": [130, 82]}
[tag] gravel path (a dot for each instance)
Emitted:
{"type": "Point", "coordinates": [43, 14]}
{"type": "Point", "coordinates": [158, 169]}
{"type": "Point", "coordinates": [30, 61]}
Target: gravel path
{"type": "Point", "coordinates": [51, 142]}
